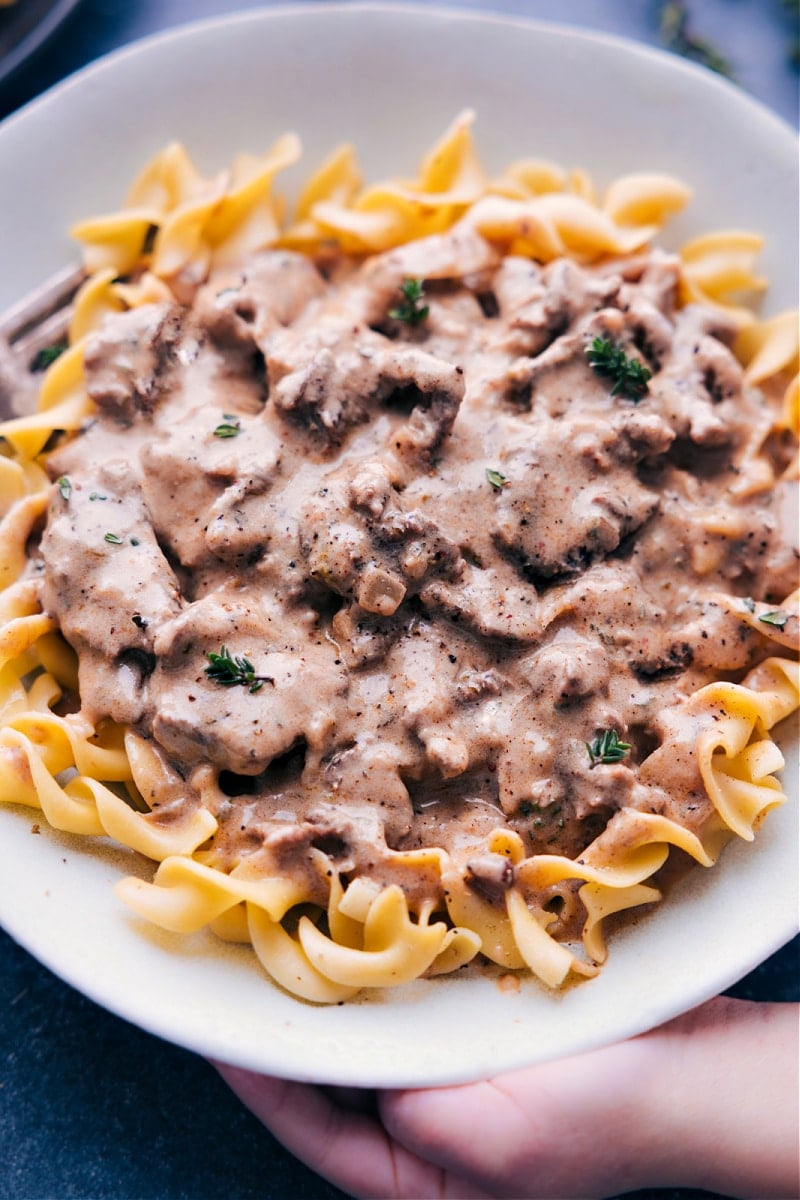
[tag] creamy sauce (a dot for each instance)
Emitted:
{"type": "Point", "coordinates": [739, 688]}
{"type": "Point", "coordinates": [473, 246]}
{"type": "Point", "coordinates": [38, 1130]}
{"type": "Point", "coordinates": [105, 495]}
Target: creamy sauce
{"type": "Point", "coordinates": [282, 468]}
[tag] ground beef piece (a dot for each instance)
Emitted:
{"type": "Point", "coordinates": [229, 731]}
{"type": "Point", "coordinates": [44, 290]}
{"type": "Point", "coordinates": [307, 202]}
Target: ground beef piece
{"type": "Point", "coordinates": [329, 380]}
{"type": "Point", "coordinates": [238, 313]}
{"type": "Point", "coordinates": [554, 521]}
{"type": "Point", "coordinates": [491, 875]}
{"type": "Point", "coordinates": [360, 542]}
{"type": "Point", "coordinates": [128, 361]}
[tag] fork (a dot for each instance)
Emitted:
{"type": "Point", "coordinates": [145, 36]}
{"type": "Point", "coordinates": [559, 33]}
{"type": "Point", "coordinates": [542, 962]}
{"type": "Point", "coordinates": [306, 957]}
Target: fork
{"type": "Point", "coordinates": [28, 330]}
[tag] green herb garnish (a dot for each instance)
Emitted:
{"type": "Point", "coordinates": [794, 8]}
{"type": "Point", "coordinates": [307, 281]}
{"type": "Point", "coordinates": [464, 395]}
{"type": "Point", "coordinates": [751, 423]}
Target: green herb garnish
{"type": "Point", "coordinates": [496, 479]}
{"type": "Point", "coordinates": [64, 486]}
{"type": "Point", "coordinates": [607, 748]}
{"type": "Point", "coordinates": [411, 311]}
{"type": "Point", "coordinates": [778, 617]}
{"type": "Point", "coordinates": [749, 604]}
{"type": "Point", "coordinates": [228, 428]}
{"type": "Point", "coordinates": [527, 808]}
{"type": "Point", "coordinates": [629, 375]}
{"type": "Point", "coordinates": [45, 357]}
{"type": "Point", "coordinates": [114, 539]}
{"type": "Point", "coordinates": [234, 670]}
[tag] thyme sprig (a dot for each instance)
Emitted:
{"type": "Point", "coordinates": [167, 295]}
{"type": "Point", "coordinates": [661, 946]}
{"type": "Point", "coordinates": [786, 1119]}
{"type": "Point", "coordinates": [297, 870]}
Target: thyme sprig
{"type": "Point", "coordinates": [234, 670]}
{"type": "Point", "coordinates": [629, 376]}
{"type": "Point", "coordinates": [606, 748]}
{"type": "Point", "coordinates": [411, 310]}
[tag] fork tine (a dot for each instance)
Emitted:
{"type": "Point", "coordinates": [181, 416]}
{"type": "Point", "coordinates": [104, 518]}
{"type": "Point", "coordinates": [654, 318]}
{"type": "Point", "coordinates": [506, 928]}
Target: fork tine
{"type": "Point", "coordinates": [40, 319]}
{"type": "Point", "coordinates": [45, 301]}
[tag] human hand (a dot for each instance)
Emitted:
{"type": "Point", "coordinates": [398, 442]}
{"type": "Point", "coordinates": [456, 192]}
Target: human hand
{"type": "Point", "coordinates": [709, 1100]}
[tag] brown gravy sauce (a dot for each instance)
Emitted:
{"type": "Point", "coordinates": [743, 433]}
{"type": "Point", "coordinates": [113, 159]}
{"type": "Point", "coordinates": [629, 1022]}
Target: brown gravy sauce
{"type": "Point", "coordinates": [448, 553]}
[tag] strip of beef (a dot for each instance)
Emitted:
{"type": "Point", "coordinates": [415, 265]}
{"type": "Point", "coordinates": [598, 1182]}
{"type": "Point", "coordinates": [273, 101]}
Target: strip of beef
{"type": "Point", "coordinates": [359, 540]}
{"type": "Point", "coordinates": [554, 521]}
{"type": "Point", "coordinates": [242, 726]}
{"type": "Point", "coordinates": [128, 362]}
{"type": "Point", "coordinates": [112, 610]}
{"type": "Point", "coordinates": [329, 380]}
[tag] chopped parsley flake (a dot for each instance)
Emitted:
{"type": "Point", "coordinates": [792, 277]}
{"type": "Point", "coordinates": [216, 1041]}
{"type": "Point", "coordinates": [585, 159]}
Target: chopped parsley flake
{"type": "Point", "coordinates": [114, 539]}
{"type": "Point", "coordinates": [228, 428]}
{"type": "Point", "coordinates": [778, 617]}
{"type": "Point", "coordinates": [64, 486]}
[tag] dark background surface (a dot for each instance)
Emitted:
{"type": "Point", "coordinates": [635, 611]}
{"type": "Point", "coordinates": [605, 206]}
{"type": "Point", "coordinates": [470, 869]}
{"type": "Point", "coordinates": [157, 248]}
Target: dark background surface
{"type": "Point", "coordinates": [91, 1107]}
{"type": "Point", "coordinates": [757, 38]}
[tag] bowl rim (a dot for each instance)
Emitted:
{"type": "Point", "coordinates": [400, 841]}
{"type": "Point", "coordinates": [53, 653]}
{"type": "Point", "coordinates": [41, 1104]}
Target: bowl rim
{"type": "Point", "coordinates": [219, 1047]}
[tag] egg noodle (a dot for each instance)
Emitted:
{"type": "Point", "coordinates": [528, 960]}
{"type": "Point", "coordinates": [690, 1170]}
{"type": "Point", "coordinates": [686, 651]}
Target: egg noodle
{"type": "Point", "coordinates": [89, 779]}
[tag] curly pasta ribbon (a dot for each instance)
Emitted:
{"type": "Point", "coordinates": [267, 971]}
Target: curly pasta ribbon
{"type": "Point", "coordinates": [646, 199]}
{"type": "Point", "coordinates": [769, 347]}
{"type": "Point", "coordinates": [168, 180]}
{"type": "Point", "coordinates": [185, 895]}
{"type": "Point", "coordinates": [395, 949]}
{"type": "Point", "coordinates": [546, 957]}
{"type": "Point", "coordinates": [384, 948]}
{"type": "Point", "coordinates": [468, 910]}
{"type": "Point", "coordinates": [116, 242]}
{"type": "Point", "coordinates": [737, 771]}
{"type": "Point", "coordinates": [86, 807]}
{"type": "Point", "coordinates": [21, 631]}
{"type": "Point", "coordinates": [95, 300]}
{"type": "Point", "coordinates": [63, 404]}
{"type": "Point", "coordinates": [719, 267]}
{"type": "Point", "coordinates": [388, 214]}
{"type": "Point", "coordinates": [286, 961]}
{"type": "Point", "coordinates": [530, 177]}
{"type": "Point", "coordinates": [17, 480]}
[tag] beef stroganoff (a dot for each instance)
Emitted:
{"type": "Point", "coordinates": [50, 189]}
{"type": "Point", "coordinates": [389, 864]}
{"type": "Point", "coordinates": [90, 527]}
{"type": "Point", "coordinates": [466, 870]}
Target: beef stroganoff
{"type": "Point", "coordinates": [405, 577]}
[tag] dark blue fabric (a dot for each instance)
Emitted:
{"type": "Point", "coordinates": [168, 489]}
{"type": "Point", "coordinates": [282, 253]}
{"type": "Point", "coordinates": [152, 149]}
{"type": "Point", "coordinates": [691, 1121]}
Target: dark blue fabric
{"type": "Point", "coordinates": [92, 1108]}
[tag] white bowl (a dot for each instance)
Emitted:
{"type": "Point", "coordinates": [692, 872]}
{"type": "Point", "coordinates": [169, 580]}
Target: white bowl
{"type": "Point", "coordinates": [391, 79]}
